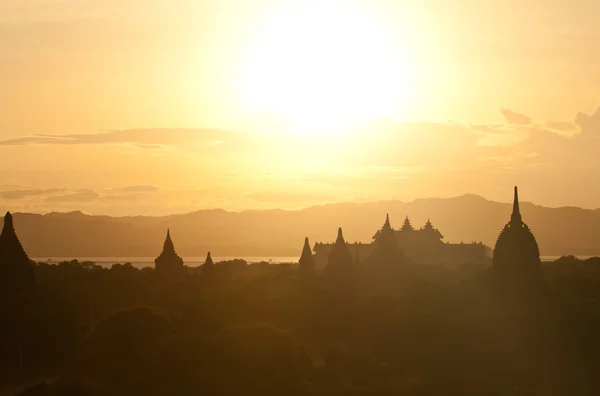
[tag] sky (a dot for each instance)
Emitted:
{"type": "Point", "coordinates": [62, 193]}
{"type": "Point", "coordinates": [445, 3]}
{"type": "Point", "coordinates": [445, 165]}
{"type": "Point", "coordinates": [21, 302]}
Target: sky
{"type": "Point", "coordinates": [128, 107]}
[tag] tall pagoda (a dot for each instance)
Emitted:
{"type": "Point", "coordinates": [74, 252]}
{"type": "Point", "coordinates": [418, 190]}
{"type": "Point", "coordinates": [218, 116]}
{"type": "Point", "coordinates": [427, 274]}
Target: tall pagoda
{"type": "Point", "coordinates": [516, 258]}
{"type": "Point", "coordinates": [169, 262]}
{"type": "Point", "coordinates": [16, 269]}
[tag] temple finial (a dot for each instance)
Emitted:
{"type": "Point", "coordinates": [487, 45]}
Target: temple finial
{"type": "Point", "coordinates": [208, 260]}
{"type": "Point", "coordinates": [340, 237]}
{"type": "Point", "coordinates": [516, 214]}
{"type": "Point", "coordinates": [8, 223]}
{"type": "Point", "coordinates": [387, 226]}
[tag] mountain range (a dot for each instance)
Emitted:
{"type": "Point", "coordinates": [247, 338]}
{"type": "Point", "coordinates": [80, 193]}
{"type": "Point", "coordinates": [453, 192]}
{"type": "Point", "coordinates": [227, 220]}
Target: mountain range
{"type": "Point", "coordinates": [274, 233]}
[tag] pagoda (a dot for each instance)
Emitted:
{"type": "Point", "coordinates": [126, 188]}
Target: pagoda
{"type": "Point", "coordinates": [306, 264]}
{"type": "Point", "coordinates": [169, 262]}
{"type": "Point", "coordinates": [340, 258]}
{"type": "Point", "coordinates": [208, 268]}
{"type": "Point", "coordinates": [407, 226]}
{"type": "Point", "coordinates": [15, 266]}
{"type": "Point", "coordinates": [17, 274]}
{"type": "Point", "coordinates": [429, 230]}
{"type": "Point", "coordinates": [516, 258]}
{"type": "Point", "coordinates": [386, 251]}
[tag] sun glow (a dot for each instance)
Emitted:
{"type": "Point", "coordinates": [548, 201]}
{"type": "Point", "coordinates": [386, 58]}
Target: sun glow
{"type": "Point", "coordinates": [327, 69]}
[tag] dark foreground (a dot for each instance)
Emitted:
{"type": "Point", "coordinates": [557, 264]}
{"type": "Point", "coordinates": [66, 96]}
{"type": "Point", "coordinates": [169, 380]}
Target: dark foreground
{"type": "Point", "coordinates": [257, 330]}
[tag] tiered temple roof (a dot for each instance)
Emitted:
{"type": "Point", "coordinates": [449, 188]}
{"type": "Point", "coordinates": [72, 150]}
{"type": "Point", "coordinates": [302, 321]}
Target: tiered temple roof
{"type": "Point", "coordinates": [516, 253]}
{"type": "Point", "coordinates": [340, 259]}
{"type": "Point", "coordinates": [407, 226]}
{"type": "Point", "coordinates": [169, 262]}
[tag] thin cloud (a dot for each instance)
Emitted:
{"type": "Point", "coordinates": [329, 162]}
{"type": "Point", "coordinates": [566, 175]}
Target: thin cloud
{"type": "Point", "coordinates": [589, 124]}
{"type": "Point", "coordinates": [80, 196]}
{"type": "Point", "coordinates": [153, 138]}
{"type": "Point", "coordinates": [137, 189]}
{"type": "Point", "coordinates": [20, 194]}
{"type": "Point", "coordinates": [514, 118]}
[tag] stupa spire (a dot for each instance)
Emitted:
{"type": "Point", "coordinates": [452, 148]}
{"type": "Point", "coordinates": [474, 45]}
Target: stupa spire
{"type": "Point", "coordinates": [407, 226]}
{"type": "Point", "coordinates": [9, 227]}
{"type": "Point", "coordinates": [209, 260]}
{"type": "Point", "coordinates": [168, 245]}
{"type": "Point", "coordinates": [340, 237]}
{"type": "Point", "coordinates": [306, 264]}
{"type": "Point", "coordinates": [387, 225]}
{"type": "Point", "coordinates": [515, 218]}
{"type": "Point", "coordinates": [169, 261]}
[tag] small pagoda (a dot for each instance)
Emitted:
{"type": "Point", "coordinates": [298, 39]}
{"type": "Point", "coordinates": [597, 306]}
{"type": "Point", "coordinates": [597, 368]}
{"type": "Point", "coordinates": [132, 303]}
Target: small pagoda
{"type": "Point", "coordinates": [17, 273]}
{"type": "Point", "coordinates": [407, 227]}
{"type": "Point", "coordinates": [169, 262]}
{"type": "Point", "coordinates": [208, 268]}
{"type": "Point", "coordinates": [340, 259]}
{"type": "Point", "coordinates": [306, 264]}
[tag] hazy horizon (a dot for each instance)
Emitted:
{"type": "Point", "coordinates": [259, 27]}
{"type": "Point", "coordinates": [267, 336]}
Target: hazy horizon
{"type": "Point", "coordinates": [130, 107]}
{"type": "Point", "coordinates": [293, 209]}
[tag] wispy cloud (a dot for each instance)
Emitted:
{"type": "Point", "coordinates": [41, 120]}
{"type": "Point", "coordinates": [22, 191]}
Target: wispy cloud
{"type": "Point", "coordinates": [514, 118]}
{"type": "Point", "coordinates": [36, 192]}
{"type": "Point", "coordinates": [152, 138]}
{"type": "Point", "coordinates": [137, 189]}
{"type": "Point", "coordinates": [79, 196]}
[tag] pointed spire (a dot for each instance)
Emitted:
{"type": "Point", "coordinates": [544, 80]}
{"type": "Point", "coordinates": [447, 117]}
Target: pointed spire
{"type": "Point", "coordinates": [306, 250]}
{"type": "Point", "coordinates": [208, 260]}
{"type": "Point", "coordinates": [515, 218]}
{"type": "Point", "coordinates": [306, 264]}
{"type": "Point", "coordinates": [340, 237]}
{"type": "Point", "coordinates": [9, 242]}
{"type": "Point", "coordinates": [428, 225]}
{"type": "Point", "coordinates": [386, 225]}
{"type": "Point", "coordinates": [8, 224]}
{"type": "Point", "coordinates": [407, 226]}
{"type": "Point", "coordinates": [168, 245]}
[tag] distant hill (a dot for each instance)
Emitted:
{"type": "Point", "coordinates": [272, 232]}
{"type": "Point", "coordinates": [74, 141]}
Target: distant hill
{"type": "Point", "coordinates": [467, 218]}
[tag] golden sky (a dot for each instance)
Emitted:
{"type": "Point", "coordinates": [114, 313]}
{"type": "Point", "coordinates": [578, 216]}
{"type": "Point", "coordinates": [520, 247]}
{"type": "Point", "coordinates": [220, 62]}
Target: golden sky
{"type": "Point", "coordinates": [164, 106]}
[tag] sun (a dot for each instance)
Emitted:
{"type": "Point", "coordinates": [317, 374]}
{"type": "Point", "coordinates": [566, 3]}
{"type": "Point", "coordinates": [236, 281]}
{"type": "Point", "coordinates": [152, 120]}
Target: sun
{"type": "Point", "coordinates": [326, 69]}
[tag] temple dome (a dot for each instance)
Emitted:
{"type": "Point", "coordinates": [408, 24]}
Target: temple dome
{"type": "Point", "coordinates": [516, 253]}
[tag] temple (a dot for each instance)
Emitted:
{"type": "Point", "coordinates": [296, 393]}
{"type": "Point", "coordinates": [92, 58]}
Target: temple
{"type": "Point", "coordinates": [16, 270]}
{"type": "Point", "coordinates": [424, 245]}
{"type": "Point", "coordinates": [306, 264]}
{"type": "Point", "coordinates": [516, 254]}
{"type": "Point", "coordinates": [339, 261]}
{"type": "Point", "coordinates": [169, 262]}
{"type": "Point", "coordinates": [208, 268]}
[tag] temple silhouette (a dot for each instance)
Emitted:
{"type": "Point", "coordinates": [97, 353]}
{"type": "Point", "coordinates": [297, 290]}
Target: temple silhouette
{"type": "Point", "coordinates": [516, 260]}
{"type": "Point", "coordinates": [424, 246]}
{"type": "Point", "coordinates": [306, 264]}
{"type": "Point", "coordinates": [17, 276]}
{"type": "Point", "coordinates": [168, 262]}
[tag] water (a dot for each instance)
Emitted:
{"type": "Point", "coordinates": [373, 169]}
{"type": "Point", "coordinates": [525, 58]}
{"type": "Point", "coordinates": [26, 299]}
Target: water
{"type": "Point", "coordinates": [141, 262]}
